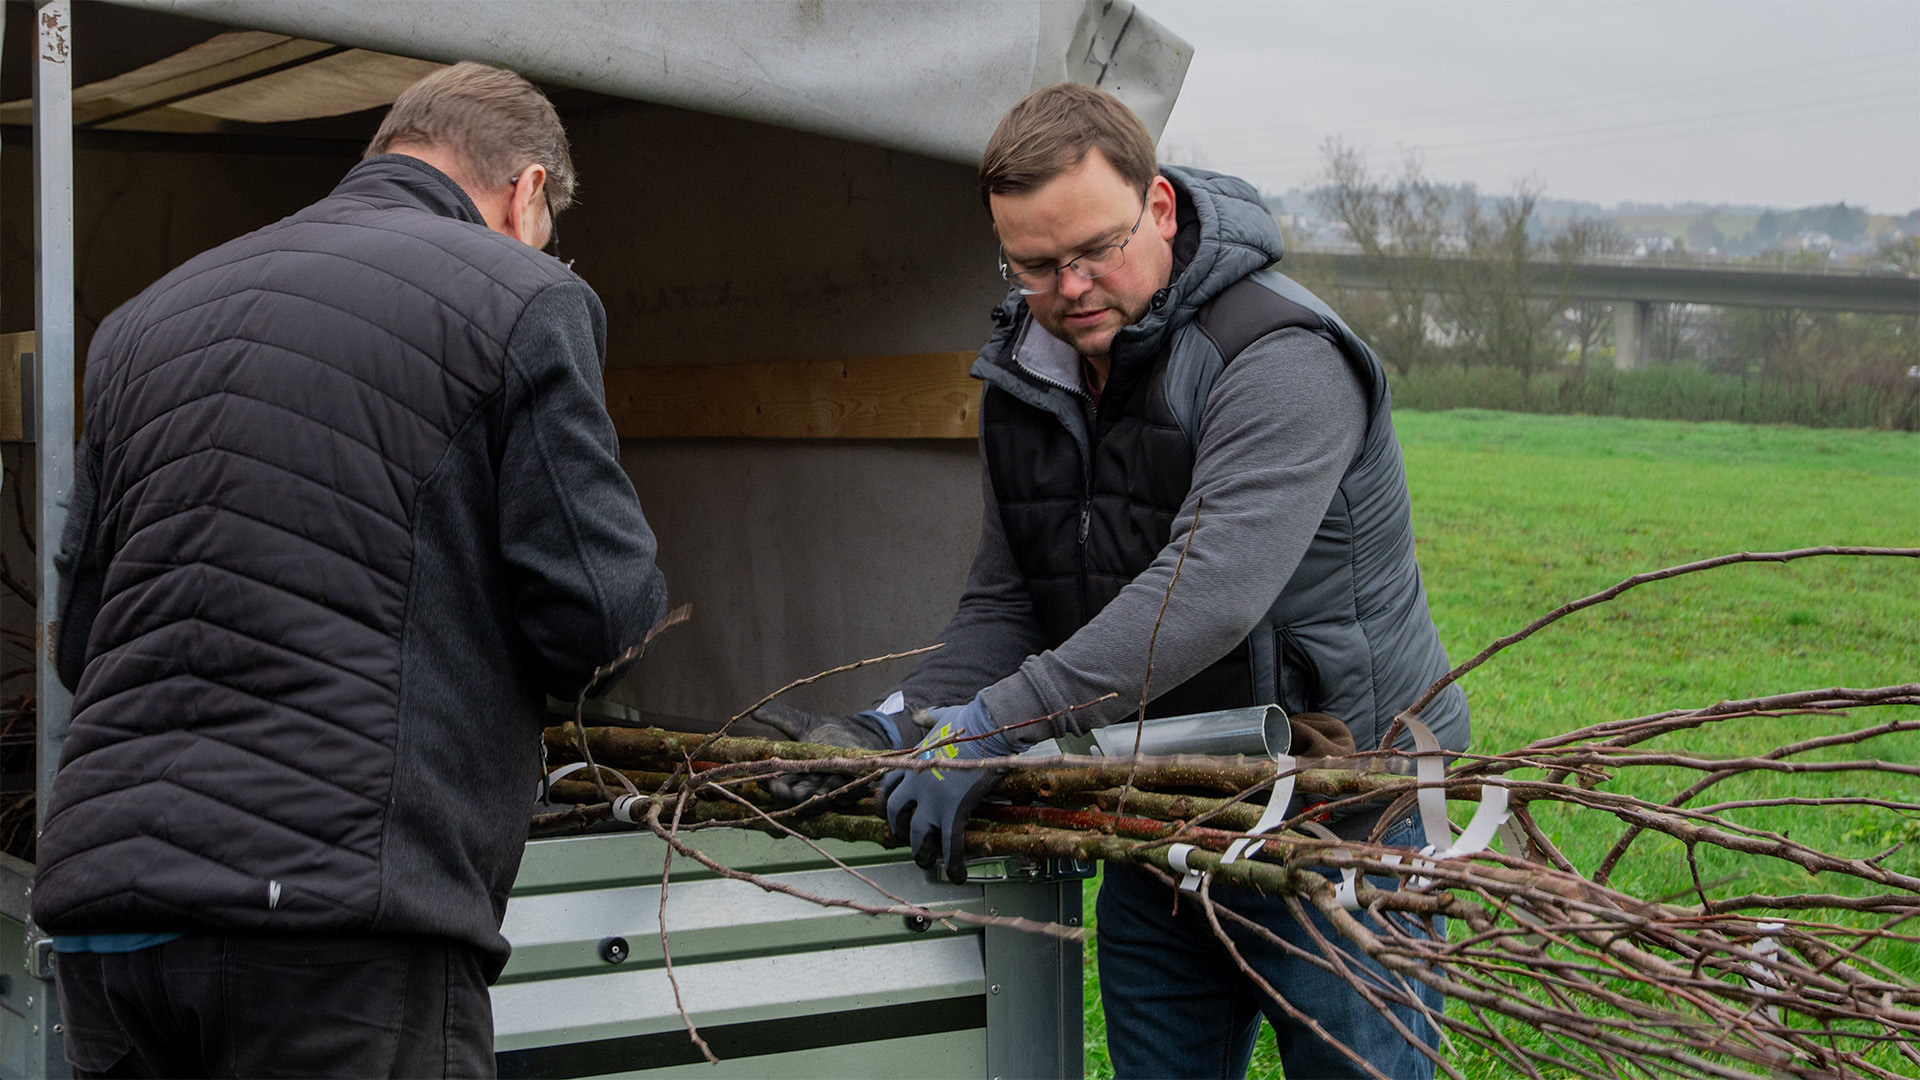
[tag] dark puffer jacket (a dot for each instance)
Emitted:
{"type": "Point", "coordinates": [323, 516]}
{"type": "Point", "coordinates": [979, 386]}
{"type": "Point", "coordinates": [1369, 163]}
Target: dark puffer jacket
{"type": "Point", "coordinates": [348, 505]}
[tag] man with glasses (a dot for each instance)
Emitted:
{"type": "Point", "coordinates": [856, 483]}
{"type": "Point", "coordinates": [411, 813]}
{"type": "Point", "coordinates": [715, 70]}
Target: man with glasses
{"type": "Point", "coordinates": [1158, 405]}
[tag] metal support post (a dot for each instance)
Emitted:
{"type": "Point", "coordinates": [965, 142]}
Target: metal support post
{"type": "Point", "coordinates": [1630, 322]}
{"type": "Point", "coordinates": [1035, 1002]}
{"type": "Point", "coordinates": [53, 353]}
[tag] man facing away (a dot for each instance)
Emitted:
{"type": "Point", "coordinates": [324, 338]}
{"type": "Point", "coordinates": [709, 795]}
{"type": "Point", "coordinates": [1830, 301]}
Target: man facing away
{"type": "Point", "coordinates": [1153, 393]}
{"type": "Point", "coordinates": [348, 506]}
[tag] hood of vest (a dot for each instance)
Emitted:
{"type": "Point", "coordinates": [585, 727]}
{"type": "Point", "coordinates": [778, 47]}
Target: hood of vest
{"type": "Point", "coordinates": [1225, 233]}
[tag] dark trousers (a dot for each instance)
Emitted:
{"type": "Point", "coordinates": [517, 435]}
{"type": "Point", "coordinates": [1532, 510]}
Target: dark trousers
{"type": "Point", "coordinates": [1178, 1006]}
{"type": "Point", "coordinates": [210, 1005]}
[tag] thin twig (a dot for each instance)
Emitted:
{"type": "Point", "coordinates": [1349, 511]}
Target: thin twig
{"type": "Point", "coordinates": [672, 618]}
{"type": "Point", "coordinates": [666, 949]}
{"type": "Point", "coordinates": [808, 680]}
{"type": "Point", "coordinates": [1636, 580]}
{"type": "Point", "coordinates": [817, 849]}
{"type": "Point", "coordinates": [1207, 905]}
{"type": "Point", "coordinates": [1146, 680]}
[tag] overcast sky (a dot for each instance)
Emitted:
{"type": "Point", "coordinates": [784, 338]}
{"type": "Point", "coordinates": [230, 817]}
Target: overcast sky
{"type": "Point", "coordinates": [1786, 103]}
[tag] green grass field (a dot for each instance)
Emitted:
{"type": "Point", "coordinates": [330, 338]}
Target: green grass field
{"type": "Point", "coordinates": [1516, 514]}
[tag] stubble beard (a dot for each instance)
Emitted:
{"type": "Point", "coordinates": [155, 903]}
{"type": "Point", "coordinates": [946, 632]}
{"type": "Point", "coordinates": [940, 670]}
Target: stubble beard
{"type": "Point", "coordinates": [1095, 343]}
{"type": "Point", "coordinates": [1095, 346]}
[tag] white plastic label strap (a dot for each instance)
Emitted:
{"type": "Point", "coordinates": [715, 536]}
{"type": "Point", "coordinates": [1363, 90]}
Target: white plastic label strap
{"type": "Point", "coordinates": [1432, 773]}
{"type": "Point", "coordinates": [565, 771]}
{"type": "Point", "coordinates": [1431, 770]}
{"type": "Point", "coordinates": [1766, 950]}
{"type": "Point", "coordinates": [1485, 824]}
{"type": "Point", "coordinates": [1274, 814]}
{"type": "Point", "coordinates": [620, 805]}
{"type": "Point", "coordinates": [1515, 841]}
{"type": "Point", "coordinates": [1177, 858]}
{"type": "Point", "coordinates": [1346, 891]}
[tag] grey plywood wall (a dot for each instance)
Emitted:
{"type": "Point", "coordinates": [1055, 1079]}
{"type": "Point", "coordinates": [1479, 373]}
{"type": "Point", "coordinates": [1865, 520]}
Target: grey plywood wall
{"type": "Point", "coordinates": [721, 241]}
{"type": "Point", "coordinates": [710, 240]}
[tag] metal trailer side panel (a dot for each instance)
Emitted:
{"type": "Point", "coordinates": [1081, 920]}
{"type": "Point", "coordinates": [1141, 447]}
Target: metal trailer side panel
{"type": "Point", "coordinates": [20, 1014]}
{"type": "Point", "coordinates": [26, 1027]}
{"type": "Point", "coordinates": [778, 985]}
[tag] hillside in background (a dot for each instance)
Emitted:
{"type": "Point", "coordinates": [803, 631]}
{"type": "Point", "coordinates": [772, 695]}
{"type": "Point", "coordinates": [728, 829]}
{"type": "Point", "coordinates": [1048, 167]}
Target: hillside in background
{"type": "Point", "coordinates": [1843, 234]}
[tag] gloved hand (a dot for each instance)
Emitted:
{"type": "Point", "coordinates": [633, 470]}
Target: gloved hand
{"type": "Point", "coordinates": [930, 807]}
{"type": "Point", "coordinates": [869, 730]}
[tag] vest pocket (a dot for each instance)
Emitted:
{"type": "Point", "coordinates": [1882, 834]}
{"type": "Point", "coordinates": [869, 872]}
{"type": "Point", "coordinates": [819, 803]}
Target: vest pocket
{"type": "Point", "coordinates": [1298, 676]}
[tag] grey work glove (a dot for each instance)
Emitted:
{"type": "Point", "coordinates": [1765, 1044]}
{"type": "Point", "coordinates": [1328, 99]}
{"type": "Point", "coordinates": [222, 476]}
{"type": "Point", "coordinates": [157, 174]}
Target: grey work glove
{"type": "Point", "coordinates": [861, 731]}
{"type": "Point", "coordinates": [928, 808]}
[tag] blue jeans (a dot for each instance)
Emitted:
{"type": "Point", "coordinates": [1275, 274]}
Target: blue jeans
{"type": "Point", "coordinates": [1178, 1006]}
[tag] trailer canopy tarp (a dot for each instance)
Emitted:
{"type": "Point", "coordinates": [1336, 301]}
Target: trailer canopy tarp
{"type": "Point", "coordinates": [931, 77]}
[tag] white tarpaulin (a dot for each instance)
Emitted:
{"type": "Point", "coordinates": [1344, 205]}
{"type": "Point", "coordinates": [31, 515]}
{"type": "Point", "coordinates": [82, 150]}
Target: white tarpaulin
{"type": "Point", "coordinates": [927, 76]}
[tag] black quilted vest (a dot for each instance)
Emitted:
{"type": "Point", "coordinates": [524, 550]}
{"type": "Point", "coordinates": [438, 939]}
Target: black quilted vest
{"type": "Point", "coordinates": [1082, 524]}
{"type": "Point", "coordinates": [283, 420]}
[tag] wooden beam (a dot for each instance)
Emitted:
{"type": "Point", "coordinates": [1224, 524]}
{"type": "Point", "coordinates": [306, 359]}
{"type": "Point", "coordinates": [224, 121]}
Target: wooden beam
{"type": "Point", "coordinates": [212, 65]}
{"type": "Point", "coordinates": [920, 396]}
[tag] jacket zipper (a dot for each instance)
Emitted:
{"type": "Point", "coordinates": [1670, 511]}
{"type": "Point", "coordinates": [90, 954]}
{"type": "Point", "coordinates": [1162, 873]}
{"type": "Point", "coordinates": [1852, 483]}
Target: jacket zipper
{"type": "Point", "coordinates": [1086, 505]}
{"type": "Point", "coordinates": [1086, 467]}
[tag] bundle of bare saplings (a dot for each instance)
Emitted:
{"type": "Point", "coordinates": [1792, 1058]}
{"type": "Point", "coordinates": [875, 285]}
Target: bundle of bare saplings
{"type": "Point", "coordinates": [1549, 968]}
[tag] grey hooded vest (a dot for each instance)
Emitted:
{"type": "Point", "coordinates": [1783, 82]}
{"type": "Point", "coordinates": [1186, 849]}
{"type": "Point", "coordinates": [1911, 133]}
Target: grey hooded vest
{"type": "Point", "coordinates": [1087, 497]}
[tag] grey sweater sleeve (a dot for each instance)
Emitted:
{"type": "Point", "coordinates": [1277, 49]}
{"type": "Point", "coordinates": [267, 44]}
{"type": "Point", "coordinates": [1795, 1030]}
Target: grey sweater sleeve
{"type": "Point", "coordinates": [992, 631]}
{"type": "Point", "coordinates": [571, 529]}
{"type": "Point", "coordinates": [1284, 422]}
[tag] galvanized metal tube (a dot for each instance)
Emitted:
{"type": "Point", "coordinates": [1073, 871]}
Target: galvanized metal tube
{"type": "Point", "coordinates": [53, 359]}
{"type": "Point", "coordinates": [53, 439]}
{"type": "Point", "coordinates": [1260, 729]}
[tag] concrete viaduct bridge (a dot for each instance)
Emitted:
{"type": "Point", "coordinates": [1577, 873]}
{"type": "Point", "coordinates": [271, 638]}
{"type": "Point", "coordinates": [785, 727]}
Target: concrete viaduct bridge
{"type": "Point", "coordinates": [1633, 289]}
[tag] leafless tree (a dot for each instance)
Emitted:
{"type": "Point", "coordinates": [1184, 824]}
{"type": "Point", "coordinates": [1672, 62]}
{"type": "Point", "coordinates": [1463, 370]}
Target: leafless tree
{"type": "Point", "coordinates": [1670, 332]}
{"type": "Point", "coordinates": [1488, 301]}
{"type": "Point", "coordinates": [1589, 323]}
{"type": "Point", "coordinates": [1400, 224]}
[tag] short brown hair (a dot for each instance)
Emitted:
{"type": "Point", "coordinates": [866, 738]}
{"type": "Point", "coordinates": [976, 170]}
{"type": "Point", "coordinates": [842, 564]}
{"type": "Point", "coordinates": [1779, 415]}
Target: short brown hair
{"type": "Point", "coordinates": [496, 122]}
{"type": "Point", "coordinates": [1050, 131]}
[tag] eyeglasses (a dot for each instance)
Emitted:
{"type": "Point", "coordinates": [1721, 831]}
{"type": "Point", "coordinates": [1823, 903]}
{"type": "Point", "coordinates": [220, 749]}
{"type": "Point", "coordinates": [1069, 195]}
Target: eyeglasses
{"type": "Point", "coordinates": [1098, 262]}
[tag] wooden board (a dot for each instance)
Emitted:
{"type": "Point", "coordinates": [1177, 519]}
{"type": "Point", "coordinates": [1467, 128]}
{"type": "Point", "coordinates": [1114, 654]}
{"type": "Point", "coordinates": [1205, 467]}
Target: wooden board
{"type": "Point", "coordinates": [920, 396]}
{"type": "Point", "coordinates": [12, 346]}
